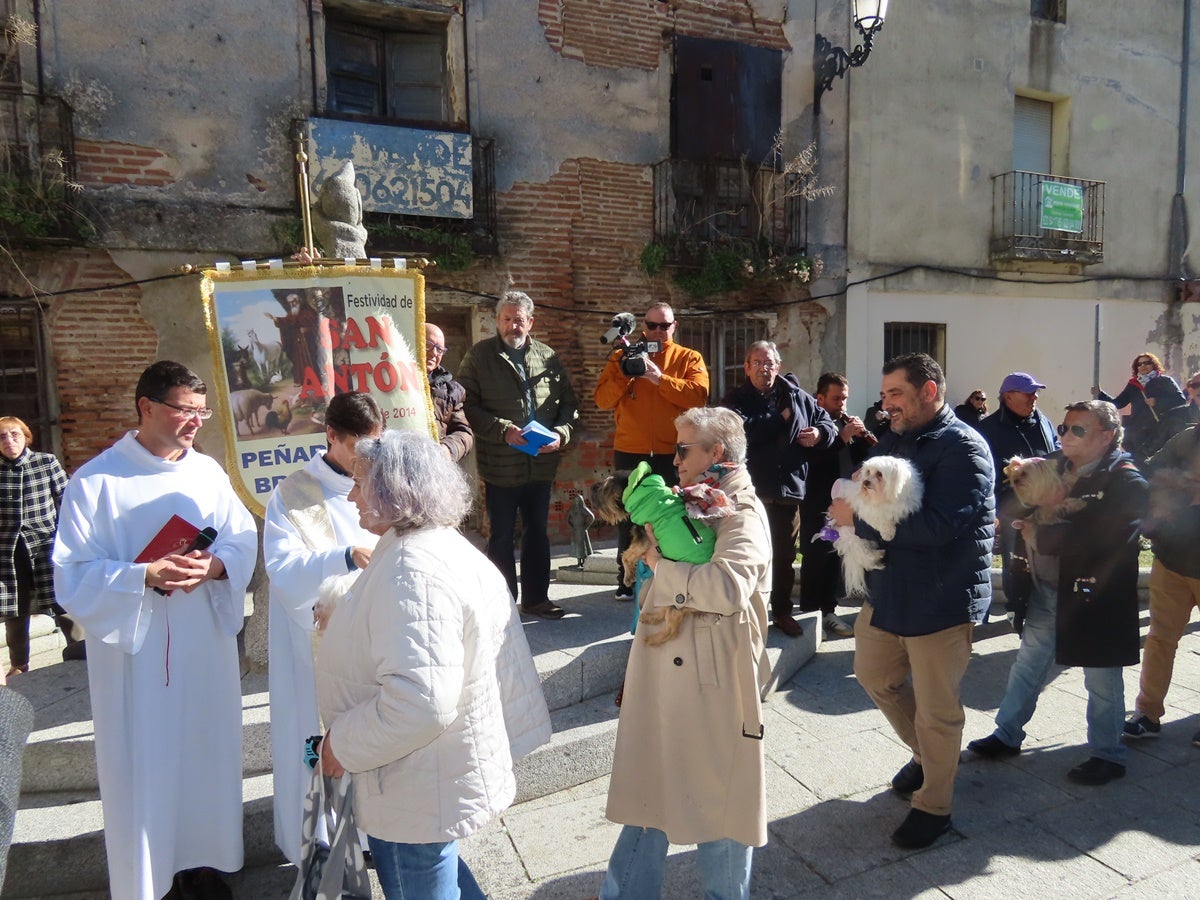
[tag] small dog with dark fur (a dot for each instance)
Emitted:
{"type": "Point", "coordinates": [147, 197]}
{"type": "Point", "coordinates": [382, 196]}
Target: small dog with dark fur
{"type": "Point", "coordinates": [644, 498]}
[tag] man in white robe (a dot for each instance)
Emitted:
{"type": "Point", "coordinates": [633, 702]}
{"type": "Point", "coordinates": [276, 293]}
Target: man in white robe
{"type": "Point", "coordinates": [311, 533]}
{"type": "Point", "coordinates": [162, 649]}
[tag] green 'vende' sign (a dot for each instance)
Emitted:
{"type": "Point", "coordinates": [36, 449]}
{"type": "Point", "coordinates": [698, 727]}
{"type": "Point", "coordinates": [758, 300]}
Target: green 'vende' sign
{"type": "Point", "coordinates": [1062, 207]}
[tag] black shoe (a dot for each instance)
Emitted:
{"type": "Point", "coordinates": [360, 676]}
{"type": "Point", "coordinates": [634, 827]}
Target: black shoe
{"type": "Point", "coordinates": [1096, 771]}
{"type": "Point", "coordinates": [1140, 727]}
{"type": "Point", "coordinates": [624, 594]}
{"type": "Point", "coordinates": [200, 884]}
{"type": "Point", "coordinates": [788, 625]}
{"type": "Point", "coordinates": [74, 650]}
{"type": "Point", "coordinates": [920, 829]}
{"type": "Point", "coordinates": [545, 610]}
{"type": "Point", "coordinates": [909, 779]}
{"type": "Point", "coordinates": [991, 747]}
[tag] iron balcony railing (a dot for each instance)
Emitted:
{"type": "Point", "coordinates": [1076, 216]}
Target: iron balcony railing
{"type": "Point", "coordinates": [1018, 221]}
{"type": "Point", "coordinates": [714, 202]}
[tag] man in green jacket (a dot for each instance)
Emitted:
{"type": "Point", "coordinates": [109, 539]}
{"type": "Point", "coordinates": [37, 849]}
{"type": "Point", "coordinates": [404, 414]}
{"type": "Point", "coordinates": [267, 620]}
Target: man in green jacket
{"type": "Point", "coordinates": [522, 409]}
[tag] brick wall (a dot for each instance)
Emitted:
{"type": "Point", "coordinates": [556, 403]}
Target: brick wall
{"type": "Point", "coordinates": [573, 244]}
{"type": "Point", "coordinates": [100, 343]}
{"type": "Point", "coordinates": [631, 33]}
{"type": "Point", "coordinates": [103, 163]}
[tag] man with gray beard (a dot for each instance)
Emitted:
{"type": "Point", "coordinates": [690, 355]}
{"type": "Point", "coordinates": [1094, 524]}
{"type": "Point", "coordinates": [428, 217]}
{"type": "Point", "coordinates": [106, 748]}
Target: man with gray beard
{"type": "Point", "coordinates": [522, 409]}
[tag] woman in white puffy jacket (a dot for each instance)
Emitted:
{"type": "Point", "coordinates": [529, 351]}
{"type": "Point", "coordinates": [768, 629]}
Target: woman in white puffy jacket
{"type": "Point", "coordinates": [424, 678]}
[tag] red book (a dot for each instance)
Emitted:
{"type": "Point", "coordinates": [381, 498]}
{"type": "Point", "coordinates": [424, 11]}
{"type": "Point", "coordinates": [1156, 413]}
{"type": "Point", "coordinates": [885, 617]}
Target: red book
{"type": "Point", "coordinates": [173, 537]}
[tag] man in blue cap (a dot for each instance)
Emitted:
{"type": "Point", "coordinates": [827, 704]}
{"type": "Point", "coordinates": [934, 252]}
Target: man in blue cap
{"type": "Point", "coordinates": [1017, 428]}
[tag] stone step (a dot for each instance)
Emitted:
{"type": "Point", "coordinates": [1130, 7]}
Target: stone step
{"type": "Point", "coordinates": [61, 756]}
{"type": "Point", "coordinates": [58, 841]}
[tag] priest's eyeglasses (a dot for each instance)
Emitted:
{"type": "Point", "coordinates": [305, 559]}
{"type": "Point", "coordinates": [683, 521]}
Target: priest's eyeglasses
{"type": "Point", "coordinates": [204, 414]}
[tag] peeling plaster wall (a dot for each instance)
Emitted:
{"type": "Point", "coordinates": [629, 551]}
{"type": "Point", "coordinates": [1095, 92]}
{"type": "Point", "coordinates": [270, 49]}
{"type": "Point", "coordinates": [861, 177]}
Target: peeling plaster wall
{"type": "Point", "coordinates": [544, 109]}
{"type": "Point", "coordinates": [206, 84]}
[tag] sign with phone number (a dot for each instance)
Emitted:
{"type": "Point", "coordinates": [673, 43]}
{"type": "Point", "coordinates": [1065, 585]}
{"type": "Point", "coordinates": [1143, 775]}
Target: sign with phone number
{"type": "Point", "coordinates": [409, 171]}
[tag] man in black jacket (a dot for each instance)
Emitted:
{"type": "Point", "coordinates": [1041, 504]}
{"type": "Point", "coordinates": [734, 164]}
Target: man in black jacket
{"type": "Point", "coordinates": [1082, 608]}
{"type": "Point", "coordinates": [913, 636]}
{"type": "Point", "coordinates": [820, 565]}
{"type": "Point", "coordinates": [1017, 428]}
{"type": "Point", "coordinates": [783, 425]}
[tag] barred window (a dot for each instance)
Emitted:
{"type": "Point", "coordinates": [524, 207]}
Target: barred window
{"type": "Point", "coordinates": [900, 338]}
{"type": "Point", "coordinates": [722, 341]}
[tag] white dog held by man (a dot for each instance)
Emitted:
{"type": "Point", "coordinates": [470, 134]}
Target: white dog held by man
{"type": "Point", "coordinates": [884, 491]}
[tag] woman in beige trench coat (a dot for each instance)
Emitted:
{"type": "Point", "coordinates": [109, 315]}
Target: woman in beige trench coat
{"type": "Point", "coordinates": [688, 766]}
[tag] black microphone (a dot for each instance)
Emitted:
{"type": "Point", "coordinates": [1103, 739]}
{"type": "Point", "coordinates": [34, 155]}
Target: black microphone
{"type": "Point", "coordinates": [202, 541]}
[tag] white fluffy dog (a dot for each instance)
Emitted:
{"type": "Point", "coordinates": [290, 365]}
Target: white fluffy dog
{"type": "Point", "coordinates": [883, 492]}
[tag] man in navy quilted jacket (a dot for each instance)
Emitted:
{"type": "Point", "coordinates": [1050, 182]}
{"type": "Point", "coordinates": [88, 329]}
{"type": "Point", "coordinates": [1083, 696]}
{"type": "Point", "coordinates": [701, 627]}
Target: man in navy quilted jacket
{"type": "Point", "coordinates": [913, 636]}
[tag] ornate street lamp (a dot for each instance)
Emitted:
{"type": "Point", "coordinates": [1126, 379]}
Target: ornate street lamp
{"type": "Point", "coordinates": [830, 62]}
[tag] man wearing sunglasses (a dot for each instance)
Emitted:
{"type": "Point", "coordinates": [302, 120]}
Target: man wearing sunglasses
{"type": "Point", "coordinates": [162, 641]}
{"type": "Point", "coordinates": [645, 408]}
{"type": "Point", "coordinates": [1082, 608]}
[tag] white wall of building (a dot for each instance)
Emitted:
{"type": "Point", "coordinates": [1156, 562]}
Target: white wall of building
{"type": "Point", "coordinates": [987, 337]}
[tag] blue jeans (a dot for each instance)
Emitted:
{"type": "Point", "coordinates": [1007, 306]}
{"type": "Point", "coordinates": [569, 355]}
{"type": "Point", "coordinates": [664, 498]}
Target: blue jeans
{"type": "Point", "coordinates": [639, 861]}
{"type": "Point", "coordinates": [1105, 687]}
{"type": "Point", "coordinates": [422, 871]}
{"type": "Point", "coordinates": [532, 501]}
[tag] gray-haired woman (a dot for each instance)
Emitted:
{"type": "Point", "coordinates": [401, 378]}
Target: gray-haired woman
{"type": "Point", "coordinates": [688, 766]}
{"type": "Point", "coordinates": [424, 678]}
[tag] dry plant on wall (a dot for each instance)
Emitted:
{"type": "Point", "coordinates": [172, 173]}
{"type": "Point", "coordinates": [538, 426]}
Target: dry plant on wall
{"type": "Point", "coordinates": [40, 203]}
{"type": "Point", "coordinates": [18, 32]}
{"type": "Point", "coordinates": [37, 198]}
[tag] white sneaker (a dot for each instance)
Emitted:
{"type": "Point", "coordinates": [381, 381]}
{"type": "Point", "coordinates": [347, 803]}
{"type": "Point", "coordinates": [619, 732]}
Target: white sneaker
{"type": "Point", "coordinates": [834, 625]}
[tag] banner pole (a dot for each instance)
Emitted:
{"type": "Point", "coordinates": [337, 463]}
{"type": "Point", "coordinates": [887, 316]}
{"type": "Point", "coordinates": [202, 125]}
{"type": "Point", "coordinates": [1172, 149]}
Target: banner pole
{"type": "Point", "coordinates": [302, 184]}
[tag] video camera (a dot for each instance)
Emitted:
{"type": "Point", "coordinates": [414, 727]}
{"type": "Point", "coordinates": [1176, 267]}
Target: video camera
{"type": "Point", "coordinates": [633, 353]}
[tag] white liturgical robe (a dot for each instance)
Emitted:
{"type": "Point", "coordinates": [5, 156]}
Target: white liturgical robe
{"type": "Point", "coordinates": [162, 670]}
{"type": "Point", "coordinates": [309, 525]}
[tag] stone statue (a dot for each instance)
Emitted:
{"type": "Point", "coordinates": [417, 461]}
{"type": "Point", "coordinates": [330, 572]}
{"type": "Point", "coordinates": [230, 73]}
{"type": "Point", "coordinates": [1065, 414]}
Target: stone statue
{"type": "Point", "coordinates": [337, 216]}
{"type": "Point", "coordinates": [579, 517]}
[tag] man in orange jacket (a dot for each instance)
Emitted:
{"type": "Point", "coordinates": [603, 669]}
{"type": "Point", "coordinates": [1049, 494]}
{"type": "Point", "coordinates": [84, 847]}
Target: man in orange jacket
{"type": "Point", "coordinates": [645, 408]}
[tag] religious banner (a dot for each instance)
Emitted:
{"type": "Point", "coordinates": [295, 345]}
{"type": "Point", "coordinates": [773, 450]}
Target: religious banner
{"type": "Point", "coordinates": [285, 341]}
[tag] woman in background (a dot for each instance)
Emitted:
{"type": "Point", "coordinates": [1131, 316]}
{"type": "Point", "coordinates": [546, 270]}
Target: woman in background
{"type": "Point", "coordinates": [1149, 393]}
{"type": "Point", "coordinates": [31, 488]}
{"type": "Point", "coordinates": [974, 408]}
